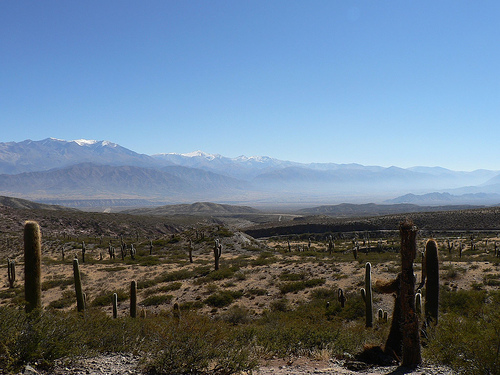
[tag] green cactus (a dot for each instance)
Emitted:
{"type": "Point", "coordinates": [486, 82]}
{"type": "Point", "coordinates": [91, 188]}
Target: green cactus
{"type": "Point", "coordinates": [431, 305]}
{"type": "Point", "coordinates": [11, 272]}
{"type": "Point", "coordinates": [80, 300]}
{"type": "Point", "coordinates": [115, 305]}
{"type": "Point", "coordinates": [367, 295]}
{"type": "Point", "coordinates": [83, 251]}
{"type": "Point", "coordinates": [133, 299]}
{"type": "Point", "coordinates": [32, 265]}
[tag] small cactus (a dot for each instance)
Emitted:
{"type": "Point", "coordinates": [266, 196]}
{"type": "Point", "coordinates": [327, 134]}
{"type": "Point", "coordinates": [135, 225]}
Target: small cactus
{"type": "Point", "coordinates": [342, 298]}
{"type": "Point", "coordinates": [418, 303]}
{"type": "Point", "coordinates": [80, 300]}
{"type": "Point", "coordinates": [217, 253]}
{"type": "Point", "coordinates": [176, 311]}
{"type": "Point", "coordinates": [431, 305]}
{"type": "Point", "coordinates": [115, 305]}
{"type": "Point", "coordinates": [11, 272]}
{"type": "Point", "coordinates": [32, 265]}
{"type": "Point", "coordinates": [133, 299]}
{"type": "Point", "coordinates": [190, 249]}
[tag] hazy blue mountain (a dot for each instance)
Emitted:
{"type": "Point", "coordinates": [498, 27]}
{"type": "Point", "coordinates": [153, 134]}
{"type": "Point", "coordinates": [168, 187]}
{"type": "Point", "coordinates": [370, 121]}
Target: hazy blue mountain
{"type": "Point", "coordinates": [103, 181]}
{"type": "Point", "coordinates": [33, 156]}
{"type": "Point", "coordinates": [53, 168]}
{"type": "Point", "coordinates": [440, 199]}
{"type": "Point", "coordinates": [241, 167]}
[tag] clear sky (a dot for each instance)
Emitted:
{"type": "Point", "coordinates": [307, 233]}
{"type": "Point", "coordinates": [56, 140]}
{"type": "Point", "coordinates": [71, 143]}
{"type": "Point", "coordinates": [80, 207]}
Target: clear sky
{"type": "Point", "coordinates": [385, 83]}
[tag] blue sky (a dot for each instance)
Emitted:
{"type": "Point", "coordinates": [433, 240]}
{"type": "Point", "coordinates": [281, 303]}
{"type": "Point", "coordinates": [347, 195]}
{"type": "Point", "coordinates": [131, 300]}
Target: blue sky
{"type": "Point", "coordinates": [385, 83]}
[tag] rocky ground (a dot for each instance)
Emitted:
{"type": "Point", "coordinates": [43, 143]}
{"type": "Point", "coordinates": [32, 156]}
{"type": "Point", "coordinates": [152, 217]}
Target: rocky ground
{"type": "Point", "coordinates": [118, 364]}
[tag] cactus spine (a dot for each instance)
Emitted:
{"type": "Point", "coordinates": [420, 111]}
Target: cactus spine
{"type": "Point", "coordinates": [11, 272]}
{"type": "Point", "coordinates": [133, 299]}
{"type": "Point", "coordinates": [80, 300]}
{"type": "Point", "coordinates": [115, 305]}
{"type": "Point", "coordinates": [32, 265]}
{"type": "Point", "coordinates": [367, 295]}
{"type": "Point", "coordinates": [432, 282]}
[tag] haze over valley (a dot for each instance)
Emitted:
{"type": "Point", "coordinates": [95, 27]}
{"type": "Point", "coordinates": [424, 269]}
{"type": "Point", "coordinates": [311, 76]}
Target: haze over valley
{"type": "Point", "coordinates": [103, 174]}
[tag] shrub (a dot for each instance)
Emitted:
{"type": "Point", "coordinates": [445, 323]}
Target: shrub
{"type": "Point", "coordinates": [106, 299]}
{"type": "Point", "coordinates": [296, 286]}
{"type": "Point", "coordinates": [157, 299]}
{"type": "Point", "coordinates": [223, 298]}
{"type": "Point", "coordinates": [198, 346]}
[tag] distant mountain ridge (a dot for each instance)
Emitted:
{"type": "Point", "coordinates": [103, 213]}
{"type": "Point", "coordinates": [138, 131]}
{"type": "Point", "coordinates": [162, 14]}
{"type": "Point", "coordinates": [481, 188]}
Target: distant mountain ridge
{"type": "Point", "coordinates": [53, 169]}
{"type": "Point", "coordinates": [18, 203]}
{"type": "Point", "coordinates": [371, 209]}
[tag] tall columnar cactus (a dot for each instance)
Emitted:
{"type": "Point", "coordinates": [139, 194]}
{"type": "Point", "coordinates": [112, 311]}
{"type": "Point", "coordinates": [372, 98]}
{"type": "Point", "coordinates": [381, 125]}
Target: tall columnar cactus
{"type": "Point", "coordinates": [367, 295]}
{"type": "Point", "coordinates": [80, 300]}
{"type": "Point", "coordinates": [409, 324]}
{"type": "Point", "coordinates": [133, 299]}
{"type": "Point", "coordinates": [150, 247]}
{"type": "Point", "coordinates": [83, 251]}
{"type": "Point", "coordinates": [132, 251]}
{"type": "Point", "coordinates": [115, 305]}
{"type": "Point", "coordinates": [190, 249]}
{"type": "Point", "coordinates": [432, 284]}
{"type": "Point", "coordinates": [32, 265]}
{"type": "Point", "coordinates": [217, 253]}
{"type": "Point", "coordinates": [331, 244]}
{"type": "Point", "coordinates": [11, 272]}
{"type": "Point", "coordinates": [342, 298]}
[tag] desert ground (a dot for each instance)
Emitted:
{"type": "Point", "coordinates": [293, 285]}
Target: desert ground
{"type": "Point", "coordinates": [255, 275]}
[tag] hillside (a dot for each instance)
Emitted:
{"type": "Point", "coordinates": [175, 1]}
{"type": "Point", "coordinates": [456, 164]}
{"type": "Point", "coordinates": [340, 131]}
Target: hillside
{"type": "Point", "coordinates": [482, 219]}
{"type": "Point", "coordinates": [371, 209]}
{"type": "Point", "coordinates": [18, 203]}
{"type": "Point", "coordinates": [198, 208]}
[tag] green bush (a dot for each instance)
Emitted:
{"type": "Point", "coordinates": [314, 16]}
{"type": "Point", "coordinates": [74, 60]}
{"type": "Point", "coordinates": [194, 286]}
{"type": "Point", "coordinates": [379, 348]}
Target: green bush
{"type": "Point", "coordinates": [467, 337]}
{"type": "Point", "coordinates": [198, 346]}
{"type": "Point", "coordinates": [297, 286]}
{"type": "Point", "coordinates": [106, 299]}
{"type": "Point", "coordinates": [223, 298]}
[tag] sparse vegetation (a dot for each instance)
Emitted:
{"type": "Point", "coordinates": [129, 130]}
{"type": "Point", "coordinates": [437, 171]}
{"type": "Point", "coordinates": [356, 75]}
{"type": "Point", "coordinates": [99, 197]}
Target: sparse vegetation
{"type": "Point", "coordinates": [259, 299]}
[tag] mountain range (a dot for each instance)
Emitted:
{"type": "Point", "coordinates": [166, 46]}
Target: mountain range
{"type": "Point", "coordinates": [84, 170]}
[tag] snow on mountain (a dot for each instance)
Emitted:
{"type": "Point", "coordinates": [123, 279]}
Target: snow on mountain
{"type": "Point", "coordinates": [31, 156]}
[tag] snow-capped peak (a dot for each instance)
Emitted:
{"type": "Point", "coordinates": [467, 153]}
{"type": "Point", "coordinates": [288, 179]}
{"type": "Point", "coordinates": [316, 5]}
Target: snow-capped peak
{"type": "Point", "coordinates": [201, 154]}
{"type": "Point", "coordinates": [85, 142]}
{"type": "Point", "coordinates": [91, 142]}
